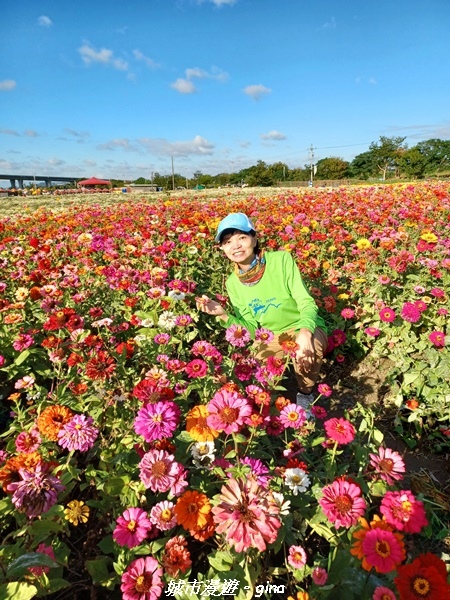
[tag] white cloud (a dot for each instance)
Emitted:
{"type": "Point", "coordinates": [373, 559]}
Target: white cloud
{"type": "Point", "coordinates": [256, 91]}
{"type": "Point", "coordinates": [162, 147]}
{"type": "Point", "coordinates": [9, 132]}
{"type": "Point", "coordinates": [7, 85]}
{"type": "Point", "coordinates": [372, 81]}
{"type": "Point", "coordinates": [273, 135]}
{"type": "Point", "coordinates": [81, 135]}
{"type": "Point", "coordinates": [103, 56]}
{"type": "Point", "coordinates": [221, 2]}
{"type": "Point", "coordinates": [44, 21]}
{"type": "Point", "coordinates": [121, 143]}
{"type": "Point", "coordinates": [184, 86]}
{"type": "Point", "coordinates": [331, 24]}
{"type": "Point", "coordinates": [56, 162]}
{"type": "Point", "coordinates": [31, 133]}
{"type": "Point", "coordinates": [138, 55]}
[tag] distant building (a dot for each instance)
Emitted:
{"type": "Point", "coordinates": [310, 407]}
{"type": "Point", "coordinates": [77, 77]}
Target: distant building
{"type": "Point", "coordinates": [143, 187]}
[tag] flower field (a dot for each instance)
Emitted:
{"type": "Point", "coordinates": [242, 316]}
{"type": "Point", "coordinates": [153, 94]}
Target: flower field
{"type": "Point", "coordinates": [145, 452]}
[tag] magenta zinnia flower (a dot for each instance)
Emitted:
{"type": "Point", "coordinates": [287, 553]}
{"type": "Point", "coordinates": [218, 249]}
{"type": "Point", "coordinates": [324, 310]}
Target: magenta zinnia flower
{"type": "Point", "coordinates": [340, 430]}
{"type": "Point", "coordinates": [157, 421]}
{"type": "Point", "coordinates": [437, 338]}
{"type": "Point", "coordinates": [28, 441]}
{"type": "Point", "coordinates": [403, 511]}
{"type": "Point", "coordinates": [158, 470]}
{"type": "Point", "coordinates": [78, 433]}
{"type": "Point", "coordinates": [324, 390]}
{"type": "Point", "coordinates": [227, 411]}
{"type": "Point", "coordinates": [342, 503]}
{"type": "Point", "coordinates": [37, 491]}
{"type": "Point", "coordinates": [132, 527]}
{"type": "Point", "coordinates": [264, 335]}
{"type": "Point", "coordinates": [246, 515]}
{"type": "Point", "coordinates": [388, 464]}
{"type": "Point", "coordinates": [142, 580]}
{"type": "Point", "coordinates": [237, 335]}
{"type": "Point", "coordinates": [196, 368]}
{"type": "Point", "coordinates": [410, 312]}
{"type": "Point", "coordinates": [387, 314]}
{"type": "Point", "coordinates": [382, 550]}
{"type": "Point", "coordinates": [293, 416]}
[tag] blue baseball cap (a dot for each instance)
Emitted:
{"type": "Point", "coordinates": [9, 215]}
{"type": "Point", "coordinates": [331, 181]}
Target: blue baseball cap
{"type": "Point", "coordinates": [237, 221]}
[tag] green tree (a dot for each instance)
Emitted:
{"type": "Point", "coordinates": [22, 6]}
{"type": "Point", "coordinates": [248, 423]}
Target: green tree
{"type": "Point", "coordinates": [386, 153]}
{"type": "Point", "coordinates": [362, 166]}
{"type": "Point", "coordinates": [332, 168]}
{"type": "Point", "coordinates": [412, 163]}
{"type": "Point", "coordinates": [436, 153]}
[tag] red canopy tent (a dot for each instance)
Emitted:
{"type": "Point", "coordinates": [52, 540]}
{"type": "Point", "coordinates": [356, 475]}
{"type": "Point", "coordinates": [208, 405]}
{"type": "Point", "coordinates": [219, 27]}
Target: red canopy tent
{"type": "Point", "coordinates": [93, 181]}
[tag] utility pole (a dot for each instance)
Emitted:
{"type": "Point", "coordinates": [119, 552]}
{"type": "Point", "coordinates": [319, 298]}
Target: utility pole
{"type": "Point", "coordinates": [311, 158]}
{"type": "Point", "coordinates": [173, 176]}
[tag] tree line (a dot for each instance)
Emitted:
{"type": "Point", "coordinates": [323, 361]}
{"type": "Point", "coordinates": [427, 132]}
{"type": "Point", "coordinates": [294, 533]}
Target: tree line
{"type": "Point", "coordinates": [388, 158]}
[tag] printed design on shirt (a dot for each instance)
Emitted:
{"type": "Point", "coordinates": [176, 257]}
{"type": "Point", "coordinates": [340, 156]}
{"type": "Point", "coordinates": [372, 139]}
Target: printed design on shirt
{"type": "Point", "coordinates": [259, 307]}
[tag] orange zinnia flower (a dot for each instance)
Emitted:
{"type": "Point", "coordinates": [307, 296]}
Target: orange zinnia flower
{"type": "Point", "coordinates": [197, 426]}
{"type": "Point", "coordinates": [52, 419]}
{"type": "Point", "coordinates": [207, 531]}
{"type": "Point", "coordinates": [192, 510]}
{"type": "Point", "coordinates": [10, 470]}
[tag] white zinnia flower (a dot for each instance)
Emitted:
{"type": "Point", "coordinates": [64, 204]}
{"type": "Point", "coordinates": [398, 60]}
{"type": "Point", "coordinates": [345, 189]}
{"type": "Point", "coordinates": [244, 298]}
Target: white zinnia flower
{"type": "Point", "coordinates": [297, 480]}
{"type": "Point", "coordinates": [167, 320]}
{"type": "Point", "coordinates": [203, 453]}
{"type": "Point", "coordinates": [176, 295]}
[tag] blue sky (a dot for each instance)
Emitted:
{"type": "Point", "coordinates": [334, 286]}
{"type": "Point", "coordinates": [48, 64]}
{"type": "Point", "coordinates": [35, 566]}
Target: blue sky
{"type": "Point", "coordinates": [120, 89]}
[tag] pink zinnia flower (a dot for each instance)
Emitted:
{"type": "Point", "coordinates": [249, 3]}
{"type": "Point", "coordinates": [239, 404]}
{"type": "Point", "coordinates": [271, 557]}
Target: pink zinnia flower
{"type": "Point", "coordinates": [183, 320]}
{"type": "Point", "coordinates": [342, 503]}
{"type": "Point", "coordinates": [158, 470]}
{"type": "Point", "coordinates": [28, 441]}
{"type": "Point", "coordinates": [161, 338]}
{"type": "Point", "coordinates": [387, 314]}
{"type": "Point", "coordinates": [319, 412]}
{"type": "Point", "coordinates": [157, 421]}
{"type": "Point", "coordinates": [324, 390]}
{"type": "Point", "coordinates": [227, 411]}
{"type": "Point", "coordinates": [372, 331]}
{"type": "Point", "coordinates": [340, 430]}
{"type": "Point", "coordinates": [237, 335]}
{"type": "Point", "coordinates": [437, 292]}
{"type": "Point", "coordinates": [142, 580]}
{"type": "Point", "coordinates": [382, 550]}
{"type": "Point", "coordinates": [384, 279]}
{"type": "Point", "coordinates": [297, 557]}
{"type": "Point", "coordinates": [132, 527]}
{"type": "Point", "coordinates": [78, 434]}
{"type": "Point", "coordinates": [388, 464]}
{"type": "Point", "coordinates": [319, 575]}
{"type": "Point", "coordinates": [246, 515]}
{"type": "Point", "coordinates": [259, 470]}
{"type": "Point", "coordinates": [275, 366]}
{"type": "Point", "coordinates": [162, 515]}
{"type": "Point", "coordinates": [196, 368]}
{"type": "Point", "coordinates": [403, 511]}
{"type": "Point", "coordinates": [293, 416]}
{"type": "Point", "coordinates": [347, 313]}
{"type": "Point", "coordinates": [383, 593]}
{"type": "Point", "coordinates": [22, 342]}
{"type": "Point", "coordinates": [264, 335]}
{"type": "Point", "coordinates": [437, 338]}
{"type": "Point", "coordinates": [410, 312]}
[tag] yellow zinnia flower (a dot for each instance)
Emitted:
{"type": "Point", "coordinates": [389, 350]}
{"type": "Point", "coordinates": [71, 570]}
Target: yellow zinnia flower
{"type": "Point", "coordinates": [76, 512]}
{"type": "Point", "coordinates": [428, 236]}
{"type": "Point", "coordinates": [363, 244]}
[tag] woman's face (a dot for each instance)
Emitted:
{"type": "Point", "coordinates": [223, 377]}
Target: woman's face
{"type": "Point", "coordinates": [239, 247]}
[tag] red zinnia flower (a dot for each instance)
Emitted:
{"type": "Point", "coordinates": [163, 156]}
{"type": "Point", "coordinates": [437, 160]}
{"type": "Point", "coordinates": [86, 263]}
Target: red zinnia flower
{"type": "Point", "coordinates": [424, 579]}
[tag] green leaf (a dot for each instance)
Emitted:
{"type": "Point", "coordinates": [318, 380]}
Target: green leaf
{"type": "Point", "coordinates": [22, 357]}
{"type": "Point", "coordinates": [57, 584]}
{"type": "Point", "coordinates": [20, 566]}
{"type": "Point", "coordinates": [114, 486]}
{"type": "Point", "coordinates": [17, 591]}
{"type": "Point", "coordinates": [221, 561]}
{"type": "Point", "coordinates": [98, 569]}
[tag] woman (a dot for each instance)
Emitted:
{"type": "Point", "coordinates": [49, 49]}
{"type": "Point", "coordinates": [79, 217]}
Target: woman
{"type": "Point", "coordinates": [267, 290]}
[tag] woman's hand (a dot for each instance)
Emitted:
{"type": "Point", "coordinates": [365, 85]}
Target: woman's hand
{"type": "Point", "coordinates": [211, 307]}
{"type": "Point", "coordinates": [305, 353]}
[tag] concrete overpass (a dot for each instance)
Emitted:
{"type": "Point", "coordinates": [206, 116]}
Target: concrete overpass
{"type": "Point", "coordinates": [37, 179]}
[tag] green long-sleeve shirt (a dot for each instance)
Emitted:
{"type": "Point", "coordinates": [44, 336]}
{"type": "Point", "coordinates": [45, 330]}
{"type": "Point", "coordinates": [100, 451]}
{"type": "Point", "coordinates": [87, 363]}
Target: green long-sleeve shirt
{"type": "Point", "coordinates": [279, 301]}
